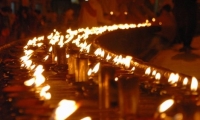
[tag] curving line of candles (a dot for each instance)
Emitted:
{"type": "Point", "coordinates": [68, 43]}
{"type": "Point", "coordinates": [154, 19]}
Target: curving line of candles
{"type": "Point", "coordinates": [126, 64]}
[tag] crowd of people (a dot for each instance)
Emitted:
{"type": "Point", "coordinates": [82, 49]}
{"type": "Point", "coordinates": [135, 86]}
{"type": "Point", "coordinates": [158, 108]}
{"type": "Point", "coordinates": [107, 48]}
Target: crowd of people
{"type": "Point", "coordinates": [176, 18]}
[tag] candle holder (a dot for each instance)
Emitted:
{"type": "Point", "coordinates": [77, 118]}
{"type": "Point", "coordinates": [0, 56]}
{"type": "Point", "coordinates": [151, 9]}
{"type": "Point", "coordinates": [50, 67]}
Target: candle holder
{"type": "Point", "coordinates": [81, 68]}
{"type": "Point", "coordinates": [128, 86]}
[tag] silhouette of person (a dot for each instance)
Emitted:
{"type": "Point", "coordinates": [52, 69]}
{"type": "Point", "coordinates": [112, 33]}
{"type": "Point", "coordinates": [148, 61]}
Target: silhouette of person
{"type": "Point", "coordinates": [91, 14]}
{"type": "Point", "coordinates": [185, 12]}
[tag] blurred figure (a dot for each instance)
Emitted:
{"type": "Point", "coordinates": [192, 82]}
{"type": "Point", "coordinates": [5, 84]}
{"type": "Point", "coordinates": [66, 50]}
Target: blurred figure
{"type": "Point", "coordinates": [168, 24]}
{"type": "Point", "coordinates": [22, 23]}
{"type": "Point", "coordinates": [185, 12]}
{"type": "Point", "coordinates": [51, 20]}
{"type": "Point", "coordinates": [164, 38]}
{"type": "Point", "coordinates": [91, 14]}
{"type": "Point", "coordinates": [141, 11]}
{"type": "Point", "coordinates": [110, 8]}
{"type": "Point", "coordinates": [122, 16]}
{"type": "Point", "coordinates": [68, 19]}
{"type": "Point", "coordinates": [4, 25]}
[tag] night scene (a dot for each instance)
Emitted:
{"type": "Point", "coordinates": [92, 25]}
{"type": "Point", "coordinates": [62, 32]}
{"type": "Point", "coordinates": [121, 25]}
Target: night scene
{"type": "Point", "coordinates": [99, 59]}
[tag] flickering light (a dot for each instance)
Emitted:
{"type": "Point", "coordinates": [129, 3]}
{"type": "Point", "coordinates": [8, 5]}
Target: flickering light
{"type": "Point", "coordinates": [65, 109]}
{"type": "Point", "coordinates": [44, 94]}
{"type": "Point", "coordinates": [185, 81]}
{"type": "Point", "coordinates": [157, 76]}
{"type": "Point", "coordinates": [111, 12]}
{"type": "Point", "coordinates": [165, 105]}
{"type": "Point", "coordinates": [194, 84]}
{"type": "Point", "coordinates": [96, 68]}
{"type": "Point", "coordinates": [29, 82]}
{"type": "Point", "coordinates": [86, 118]}
{"type": "Point", "coordinates": [148, 71]}
{"type": "Point", "coordinates": [153, 19]}
{"type": "Point", "coordinates": [116, 79]}
{"type": "Point", "coordinates": [173, 78]}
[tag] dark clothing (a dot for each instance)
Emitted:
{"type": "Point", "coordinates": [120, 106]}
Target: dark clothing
{"type": "Point", "coordinates": [185, 12]}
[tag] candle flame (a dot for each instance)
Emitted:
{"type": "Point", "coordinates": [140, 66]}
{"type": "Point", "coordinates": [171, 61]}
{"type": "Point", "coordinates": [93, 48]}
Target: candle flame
{"type": "Point", "coordinates": [148, 71]}
{"type": "Point", "coordinates": [96, 68]}
{"type": "Point", "coordinates": [67, 55]}
{"type": "Point", "coordinates": [86, 118]}
{"type": "Point", "coordinates": [50, 49]}
{"type": "Point", "coordinates": [165, 105]}
{"type": "Point", "coordinates": [89, 72]}
{"type": "Point", "coordinates": [108, 57]}
{"type": "Point", "coordinates": [194, 84]}
{"type": "Point", "coordinates": [185, 81]}
{"type": "Point", "coordinates": [116, 79]}
{"type": "Point", "coordinates": [65, 109]}
{"type": "Point", "coordinates": [44, 94]}
{"type": "Point", "coordinates": [46, 57]}
{"type": "Point", "coordinates": [111, 13]}
{"type": "Point", "coordinates": [153, 19]}
{"type": "Point", "coordinates": [133, 69]}
{"type": "Point", "coordinates": [173, 78]}
{"type": "Point", "coordinates": [127, 61]}
{"type": "Point", "coordinates": [99, 52]}
{"type": "Point", "coordinates": [29, 82]}
{"type": "Point", "coordinates": [39, 78]}
{"type": "Point", "coordinates": [154, 72]}
{"type": "Point", "coordinates": [158, 76]}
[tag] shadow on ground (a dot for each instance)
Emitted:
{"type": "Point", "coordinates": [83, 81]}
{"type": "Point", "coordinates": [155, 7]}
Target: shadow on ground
{"type": "Point", "coordinates": [189, 57]}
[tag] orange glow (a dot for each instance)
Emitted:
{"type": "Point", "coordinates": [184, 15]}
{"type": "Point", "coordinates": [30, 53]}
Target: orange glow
{"type": "Point", "coordinates": [194, 84]}
{"type": "Point", "coordinates": [86, 118]}
{"type": "Point", "coordinates": [185, 81]}
{"type": "Point", "coordinates": [65, 109]}
{"type": "Point", "coordinates": [173, 78]}
{"type": "Point", "coordinates": [165, 105]}
{"type": "Point", "coordinates": [148, 71]}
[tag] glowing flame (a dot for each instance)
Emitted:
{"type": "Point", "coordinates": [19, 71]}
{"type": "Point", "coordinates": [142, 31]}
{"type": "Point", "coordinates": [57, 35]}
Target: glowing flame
{"type": "Point", "coordinates": [116, 79]}
{"type": "Point", "coordinates": [65, 109]}
{"type": "Point", "coordinates": [86, 118]}
{"type": "Point", "coordinates": [165, 105]}
{"type": "Point", "coordinates": [127, 61]}
{"type": "Point", "coordinates": [148, 71]}
{"type": "Point", "coordinates": [29, 82]}
{"type": "Point", "coordinates": [89, 72]}
{"type": "Point", "coordinates": [56, 58]}
{"type": "Point", "coordinates": [185, 81]}
{"type": "Point", "coordinates": [153, 19]}
{"type": "Point", "coordinates": [46, 57]}
{"type": "Point", "coordinates": [44, 93]}
{"type": "Point", "coordinates": [39, 78]}
{"type": "Point", "coordinates": [108, 57]}
{"type": "Point", "coordinates": [67, 55]}
{"type": "Point", "coordinates": [173, 78]}
{"type": "Point", "coordinates": [111, 12]}
{"type": "Point", "coordinates": [50, 49]}
{"type": "Point", "coordinates": [28, 63]}
{"type": "Point", "coordinates": [133, 69]}
{"type": "Point", "coordinates": [96, 68]}
{"type": "Point", "coordinates": [154, 72]}
{"type": "Point", "coordinates": [194, 84]}
{"type": "Point", "coordinates": [158, 76]}
{"type": "Point", "coordinates": [99, 52]}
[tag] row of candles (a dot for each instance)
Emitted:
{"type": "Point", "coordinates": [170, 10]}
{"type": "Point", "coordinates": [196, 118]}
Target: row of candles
{"type": "Point", "coordinates": [85, 60]}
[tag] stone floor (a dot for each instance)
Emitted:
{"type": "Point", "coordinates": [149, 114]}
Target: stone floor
{"type": "Point", "coordinates": [186, 63]}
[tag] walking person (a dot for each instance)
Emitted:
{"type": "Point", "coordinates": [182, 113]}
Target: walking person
{"type": "Point", "coordinates": [185, 12]}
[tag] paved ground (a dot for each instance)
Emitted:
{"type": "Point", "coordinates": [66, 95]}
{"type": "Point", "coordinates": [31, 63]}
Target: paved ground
{"type": "Point", "coordinates": [186, 63]}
